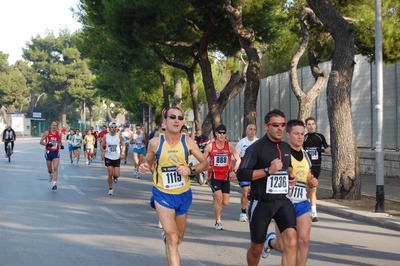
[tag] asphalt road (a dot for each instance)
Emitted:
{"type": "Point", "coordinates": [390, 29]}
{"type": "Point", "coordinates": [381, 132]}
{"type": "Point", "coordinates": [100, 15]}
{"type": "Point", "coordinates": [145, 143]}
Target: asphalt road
{"type": "Point", "coordinates": [79, 224]}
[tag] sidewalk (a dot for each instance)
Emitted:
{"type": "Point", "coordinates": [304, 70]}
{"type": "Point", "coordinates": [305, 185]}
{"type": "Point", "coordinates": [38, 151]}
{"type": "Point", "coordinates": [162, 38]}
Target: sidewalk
{"type": "Point", "coordinates": [368, 187]}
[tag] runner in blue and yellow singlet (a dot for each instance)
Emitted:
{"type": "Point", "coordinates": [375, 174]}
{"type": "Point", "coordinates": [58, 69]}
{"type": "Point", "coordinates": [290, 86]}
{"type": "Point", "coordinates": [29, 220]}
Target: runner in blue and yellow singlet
{"type": "Point", "coordinates": [172, 195]}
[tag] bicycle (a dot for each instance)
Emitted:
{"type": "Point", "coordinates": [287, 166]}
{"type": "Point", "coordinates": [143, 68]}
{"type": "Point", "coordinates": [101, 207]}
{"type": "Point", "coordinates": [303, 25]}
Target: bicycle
{"type": "Point", "coordinates": [9, 149]}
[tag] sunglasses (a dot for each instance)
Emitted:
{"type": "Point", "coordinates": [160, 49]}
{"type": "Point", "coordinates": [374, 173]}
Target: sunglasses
{"type": "Point", "coordinates": [113, 127]}
{"type": "Point", "coordinates": [221, 132]}
{"type": "Point", "coordinates": [173, 117]}
{"type": "Point", "coordinates": [283, 124]}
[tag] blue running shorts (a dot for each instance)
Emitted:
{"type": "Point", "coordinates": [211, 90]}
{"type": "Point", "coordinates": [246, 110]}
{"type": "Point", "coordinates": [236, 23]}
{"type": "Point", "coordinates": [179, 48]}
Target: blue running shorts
{"type": "Point", "coordinates": [179, 202]}
{"type": "Point", "coordinates": [51, 155]}
{"type": "Point", "coordinates": [302, 208]}
{"type": "Point", "coordinates": [138, 151]}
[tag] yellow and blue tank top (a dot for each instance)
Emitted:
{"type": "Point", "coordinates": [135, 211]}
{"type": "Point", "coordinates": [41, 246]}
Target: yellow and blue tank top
{"type": "Point", "coordinates": [165, 177]}
{"type": "Point", "coordinates": [301, 170]}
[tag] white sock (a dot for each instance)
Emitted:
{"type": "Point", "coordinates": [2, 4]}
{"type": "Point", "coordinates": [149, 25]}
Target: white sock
{"type": "Point", "coordinates": [314, 209]}
{"type": "Point", "coordinates": [54, 183]}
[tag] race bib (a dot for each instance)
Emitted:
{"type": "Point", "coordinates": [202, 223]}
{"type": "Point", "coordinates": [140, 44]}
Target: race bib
{"type": "Point", "coordinates": [313, 153]}
{"type": "Point", "coordinates": [220, 159]}
{"type": "Point", "coordinates": [112, 148]}
{"type": "Point", "coordinates": [171, 178]}
{"type": "Point", "coordinates": [299, 193]}
{"type": "Point", "coordinates": [139, 145]}
{"type": "Point", "coordinates": [278, 183]}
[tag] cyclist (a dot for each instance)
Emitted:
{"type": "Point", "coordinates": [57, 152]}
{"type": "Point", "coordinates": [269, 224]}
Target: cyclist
{"type": "Point", "coordinates": [9, 136]}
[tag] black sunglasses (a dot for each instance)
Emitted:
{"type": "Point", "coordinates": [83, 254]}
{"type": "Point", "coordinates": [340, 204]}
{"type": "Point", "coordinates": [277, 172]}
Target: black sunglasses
{"type": "Point", "coordinates": [283, 124]}
{"type": "Point", "coordinates": [222, 132]}
{"type": "Point", "coordinates": [180, 117]}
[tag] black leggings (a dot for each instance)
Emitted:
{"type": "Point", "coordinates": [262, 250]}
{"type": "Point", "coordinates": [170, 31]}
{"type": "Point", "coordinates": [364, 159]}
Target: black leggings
{"type": "Point", "coordinates": [5, 145]}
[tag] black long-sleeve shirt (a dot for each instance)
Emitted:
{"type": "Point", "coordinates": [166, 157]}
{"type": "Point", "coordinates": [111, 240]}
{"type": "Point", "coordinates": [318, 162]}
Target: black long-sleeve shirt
{"type": "Point", "coordinates": [259, 156]}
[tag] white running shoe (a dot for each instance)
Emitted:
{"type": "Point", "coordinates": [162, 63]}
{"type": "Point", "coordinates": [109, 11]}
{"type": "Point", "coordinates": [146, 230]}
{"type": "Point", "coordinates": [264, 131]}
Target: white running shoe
{"type": "Point", "coordinates": [218, 225]}
{"type": "Point", "coordinates": [115, 179]}
{"type": "Point", "coordinates": [243, 217]}
{"type": "Point", "coordinates": [164, 237]}
{"type": "Point", "coordinates": [50, 177]}
{"type": "Point", "coordinates": [314, 217]}
{"type": "Point", "coordinates": [135, 173]}
{"type": "Point", "coordinates": [111, 192]}
{"type": "Point", "coordinates": [267, 249]}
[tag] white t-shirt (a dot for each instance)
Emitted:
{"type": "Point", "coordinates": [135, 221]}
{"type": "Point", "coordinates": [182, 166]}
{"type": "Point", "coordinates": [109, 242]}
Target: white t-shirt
{"type": "Point", "coordinates": [243, 144]}
{"type": "Point", "coordinates": [138, 140]}
{"type": "Point", "coordinates": [113, 147]}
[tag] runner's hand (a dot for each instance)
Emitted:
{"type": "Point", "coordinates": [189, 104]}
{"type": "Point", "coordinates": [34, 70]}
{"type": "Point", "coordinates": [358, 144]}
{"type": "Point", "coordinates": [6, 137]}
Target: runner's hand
{"type": "Point", "coordinates": [49, 145]}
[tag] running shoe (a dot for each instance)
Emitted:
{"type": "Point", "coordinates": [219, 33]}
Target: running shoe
{"type": "Point", "coordinates": [267, 249]}
{"type": "Point", "coordinates": [125, 162]}
{"type": "Point", "coordinates": [164, 237]}
{"type": "Point", "coordinates": [135, 173]}
{"type": "Point", "coordinates": [54, 186]}
{"type": "Point", "coordinates": [243, 217]}
{"type": "Point", "coordinates": [314, 217]}
{"type": "Point", "coordinates": [87, 162]}
{"type": "Point", "coordinates": [111, 192]}
{"type": "Point", "coordinates": [115, 179]}
{"type": "Point", "coordinates": [72, 161]}
{"type": "Point", "coordinates": [50, 177]}
{"type": "Point", "coordinates": [218, 225]}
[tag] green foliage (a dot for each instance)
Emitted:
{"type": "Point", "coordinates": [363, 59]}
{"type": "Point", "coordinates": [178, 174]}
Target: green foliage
{"type": "Point", "coordinates": [13, 87]}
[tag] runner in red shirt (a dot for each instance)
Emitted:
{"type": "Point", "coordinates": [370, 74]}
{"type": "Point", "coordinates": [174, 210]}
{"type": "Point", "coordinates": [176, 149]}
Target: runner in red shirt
{"type": "Point", "coordinates": [100, 136]}
{"type": "Point", "coordinates": [51, 139]}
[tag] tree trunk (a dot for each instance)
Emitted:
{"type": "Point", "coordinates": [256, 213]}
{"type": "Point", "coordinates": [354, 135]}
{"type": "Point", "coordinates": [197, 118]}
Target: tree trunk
{"type": "Point", "coordinates": [165, 91]}
{"type": "Point", "coordinates": [177, 91]}
{"type": "Point", "coordinates": [246, 37]}
{"type": "Point", "coordinates": [306, 100]}
{"type": "Point", "coordinates": [346, 180]}
{"type": "Point", "coordinates": [233, 88]}
{"type": "Point", "coordinates": [64, 111]}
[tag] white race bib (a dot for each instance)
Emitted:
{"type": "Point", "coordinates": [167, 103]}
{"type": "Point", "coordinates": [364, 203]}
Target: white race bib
{"type": "Point", "coordinates": [171, 178]}
{"type": "Point", "coordinates": [278, 183]}
{"type": "Point", "coordinates": [299, 193]}
{"type": "Point", "coordinates": [112, 148]}
{"type": "Point", "coordinates": [139, 145]}
{"type": "Point", "coordinates": [220, 159]}
{"type": "Point", "coordinates": [313, 153]}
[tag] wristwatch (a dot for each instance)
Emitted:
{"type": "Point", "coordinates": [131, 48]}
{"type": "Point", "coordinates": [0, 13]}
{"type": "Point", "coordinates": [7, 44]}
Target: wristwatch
{"type": "Point", "coordinates": [266, 170]}
{"type": "Point", "coordinates": [192, 170]}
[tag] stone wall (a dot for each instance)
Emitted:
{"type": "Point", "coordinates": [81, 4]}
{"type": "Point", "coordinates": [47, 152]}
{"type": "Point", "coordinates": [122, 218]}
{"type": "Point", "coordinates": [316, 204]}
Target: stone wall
{"type": "Point", "coordinates": [367, 163]}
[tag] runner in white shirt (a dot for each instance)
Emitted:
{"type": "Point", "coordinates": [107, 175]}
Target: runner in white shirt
{"type": "Point", "coordinates": [138, 140]}
{"type": "Point", "coordinates": [241, 147]}
{"type": "Point", "coordinates": [113, 153]}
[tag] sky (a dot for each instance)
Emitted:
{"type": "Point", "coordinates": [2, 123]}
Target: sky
{"type": "Point", "coordinates": [20, 20]}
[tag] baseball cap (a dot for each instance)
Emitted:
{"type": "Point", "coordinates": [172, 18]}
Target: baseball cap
{"type": "Point", "coordinates": [112, 124]}
{"type": "Point", "coordinates": [221, 127]}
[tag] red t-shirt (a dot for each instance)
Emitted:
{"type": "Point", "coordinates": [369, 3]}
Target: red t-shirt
{"type": "Point", "coordinates": [53, 138]}
{"type": "Point", "coordinates": [220, 162]}
{"type": "Point", "coordinates": [101, 135]}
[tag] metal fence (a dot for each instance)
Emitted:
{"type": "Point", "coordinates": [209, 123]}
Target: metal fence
{"type": "Point", "coordinates": [275, 92]}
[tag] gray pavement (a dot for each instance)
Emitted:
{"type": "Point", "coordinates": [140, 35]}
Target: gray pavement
{"type": "Point", "coordinates": [368, 187]}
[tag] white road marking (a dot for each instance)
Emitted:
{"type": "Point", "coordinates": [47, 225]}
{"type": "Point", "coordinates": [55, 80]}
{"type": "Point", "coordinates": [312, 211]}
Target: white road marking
{"type": "Point", "coordinates": [113, 214]}
{"type": "Point", "coordinates": [77, 190]}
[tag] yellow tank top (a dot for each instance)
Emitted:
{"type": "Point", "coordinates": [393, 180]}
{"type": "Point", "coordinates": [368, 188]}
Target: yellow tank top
{"type": "Point", "coordinates": [301, 170]}
{"type": "Point", "coordinates": [165, 177]}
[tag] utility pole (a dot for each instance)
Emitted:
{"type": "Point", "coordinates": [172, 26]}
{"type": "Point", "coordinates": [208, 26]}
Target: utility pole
{"type": "Point", "coordinates": [380, 181]}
